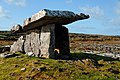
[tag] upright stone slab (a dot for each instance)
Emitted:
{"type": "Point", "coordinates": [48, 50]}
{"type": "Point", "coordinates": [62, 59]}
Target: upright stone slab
{"type": "Point", "coordinates": [18, 45]}
{"type": "Point", "coordinates": [47, 40]}
{"type": "Point", "coordinates": [62, 40]}
{"type": "Point", "coordinates": [32, 42]}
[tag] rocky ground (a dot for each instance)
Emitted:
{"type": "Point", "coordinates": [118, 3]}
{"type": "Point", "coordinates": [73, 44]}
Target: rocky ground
{"type": "Point", "coordinates": [95, 44]}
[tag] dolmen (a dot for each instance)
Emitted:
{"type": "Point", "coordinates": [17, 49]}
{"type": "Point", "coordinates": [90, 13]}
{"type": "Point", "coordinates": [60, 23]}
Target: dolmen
{"type": "Point", "coordinates": [44, 33]}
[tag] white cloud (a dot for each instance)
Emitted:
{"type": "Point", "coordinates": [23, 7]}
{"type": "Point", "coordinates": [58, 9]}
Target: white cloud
{"type": "Point", "coordinates": [95, 12]}
{"type": "Point", "coordinates": [3, 13]}
{"type": "Point", "coordinates": [16, 2]}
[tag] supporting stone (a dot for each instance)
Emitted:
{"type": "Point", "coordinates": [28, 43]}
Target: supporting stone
{"type": "Point", "coordinates": [47, 40]}
{"type": "Point", "coordinates": [61, 40]}
{"type": "Point", "coordinates": [32, 42]}
{"type": "Point", "coordinates": [18, 46]}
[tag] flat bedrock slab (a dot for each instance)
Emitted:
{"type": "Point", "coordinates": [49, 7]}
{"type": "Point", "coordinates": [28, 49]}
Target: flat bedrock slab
{"type": "Point", "coordinates": [46, 16]}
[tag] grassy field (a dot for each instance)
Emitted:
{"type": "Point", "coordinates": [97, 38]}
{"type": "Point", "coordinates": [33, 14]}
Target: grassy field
{"type": "Point", "coordinates": [80, 67]}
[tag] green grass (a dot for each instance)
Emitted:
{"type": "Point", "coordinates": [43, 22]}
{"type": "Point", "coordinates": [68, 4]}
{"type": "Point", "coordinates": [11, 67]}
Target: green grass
{"type": "Point", "coordinates": [87, 67]}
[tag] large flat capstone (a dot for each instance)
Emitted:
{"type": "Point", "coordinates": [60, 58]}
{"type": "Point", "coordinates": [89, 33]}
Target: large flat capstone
{"type": "Point", "coordinates": [46, 16]}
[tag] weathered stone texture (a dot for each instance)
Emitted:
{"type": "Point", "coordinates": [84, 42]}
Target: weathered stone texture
{"type": "Point", "coordinates": [45, 17]}
{"type": "Point", "coordinates": [18, 46]}
{"type": "Point", "coordinates": [47, 41]}
{"type": "Point", "coordinates": [27, 21]}
{"type": "Point", "coordinates": [16, 28]}
{"type": "Point", "coordinates": [32, 42]}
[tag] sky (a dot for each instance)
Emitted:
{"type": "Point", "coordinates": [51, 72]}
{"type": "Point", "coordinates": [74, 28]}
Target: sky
{"type": "Point", "coordinates": [104, 14]}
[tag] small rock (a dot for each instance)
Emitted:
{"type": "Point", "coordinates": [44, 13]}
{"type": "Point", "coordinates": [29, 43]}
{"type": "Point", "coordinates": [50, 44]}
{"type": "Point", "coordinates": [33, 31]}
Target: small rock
{"type": "Point", "coordinates": [12, 74]}
{"type": "Point", "coordinates": [30, 54]}
{"type": "Point", "coordinates": [6, 55]}
{"type": "Point", "coordinates": [79, 60]}
{"type": "Point", "coordinates": [23, 69]}
{"type": "Point", "coordinates": [41, 69]}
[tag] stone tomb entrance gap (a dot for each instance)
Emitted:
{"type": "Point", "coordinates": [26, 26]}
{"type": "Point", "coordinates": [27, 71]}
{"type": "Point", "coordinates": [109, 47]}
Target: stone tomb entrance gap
{"type": "Point", "coordinates": [45, 36]}
{"type": "Point", "coordinates": [61, 40]}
